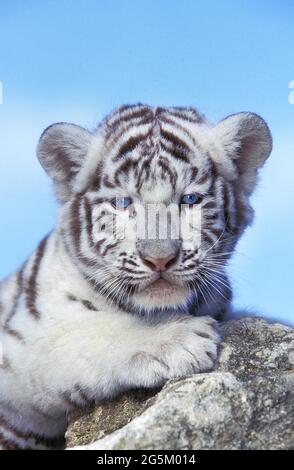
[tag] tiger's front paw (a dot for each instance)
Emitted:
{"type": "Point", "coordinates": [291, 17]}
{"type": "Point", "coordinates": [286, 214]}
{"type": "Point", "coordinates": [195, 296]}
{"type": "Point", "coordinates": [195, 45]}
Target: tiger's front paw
{"type": "Point", "coordinates": [188, 345]}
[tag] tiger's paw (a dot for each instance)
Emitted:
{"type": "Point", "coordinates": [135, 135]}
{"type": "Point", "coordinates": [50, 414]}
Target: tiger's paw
{"type": "Point", "coordinates": [188, 346]}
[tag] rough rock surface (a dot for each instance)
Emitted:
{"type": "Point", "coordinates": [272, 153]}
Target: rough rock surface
{"type": "Point", "coordinates": [246, 403]}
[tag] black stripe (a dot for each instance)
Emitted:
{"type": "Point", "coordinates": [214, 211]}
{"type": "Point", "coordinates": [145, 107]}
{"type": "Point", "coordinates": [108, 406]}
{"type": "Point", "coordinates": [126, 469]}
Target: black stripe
{"type": "Point", "coordinates": [207, 238]}
{"type": "Point", "coordinates": [124, 168]}
{"type": "Point", "coordinates": [212, 216]}
{"type": "Point", "coordinates": [179, 149]}
{"type": "Point", "coordinates": [97, 200]}
{"type": "Point", "coordinates": [108, 247]}
{"type": "Point", "coordinates": [185, 131]}
{"type": "Point", "coordinates": [85, 303]}
{"type": "Point", "coordinates": [14, 333]}
{"type": "Point", "coordinates": [194, 173]}
{"type": "Point", "coordinates": [129, 146]}
{"type": "Point", "coordinates": [31, 289]}
{"type": "Point", "coordinates": [164, 164]}
{"type": "Point", "coordinates": [187, 257]}
{"type": "Point", "coordinates": [72, 298]}
{"type": "Point", "coordinates": [75, 223]}
{"type": "Point", "coordinates": [137, 113]}
{"type": "Point", "coordinates": [19, 290]}
{"type": "Point", "coordinates": [214, 230]}
{"type": "Point", "coordinates": [209, 205]}
{"type": "Point", "coordinates": [114, 137]}
{"type": "Point", "coordinates": [100, 243]}
{"type": "Point", "coordinates": [145, 166]}
{"type": "Point", "coordinates": [129, 261]}
{"type": "Point", "coordinates": [123, 115]}
{"type": "Point", "coordinates": [89, 223]}
{"type": "Point", "coordinates": [203, 177]}
{"type": "Point", "coordinates": [175, 152]}
{"type": "Point", "coordinates": [186, 114]}
{"type": "Point", "coordinates": [89, 305]}
{"type": "Point", "coordinates": [230, 210]}
{"type": "Point", "coordinates": [95, 183]}
{"type": "Point", "coordinates": [107, 183]}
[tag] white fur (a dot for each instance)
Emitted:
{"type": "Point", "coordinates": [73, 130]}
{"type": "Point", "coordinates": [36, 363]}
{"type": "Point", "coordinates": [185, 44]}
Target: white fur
{"type": "Point", "coordinates": [104, 352]}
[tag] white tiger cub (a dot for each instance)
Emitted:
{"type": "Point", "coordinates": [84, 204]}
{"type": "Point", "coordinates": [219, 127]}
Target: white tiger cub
{"type": "Point", "coordinates": [91, 313]}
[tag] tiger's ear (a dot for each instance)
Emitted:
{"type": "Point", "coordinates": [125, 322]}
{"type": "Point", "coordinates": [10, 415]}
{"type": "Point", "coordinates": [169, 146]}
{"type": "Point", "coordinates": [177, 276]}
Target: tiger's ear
{"type": "Point", "coordinates": [61, 150]}
{"type": "Point", "coordinates": [246, 141]}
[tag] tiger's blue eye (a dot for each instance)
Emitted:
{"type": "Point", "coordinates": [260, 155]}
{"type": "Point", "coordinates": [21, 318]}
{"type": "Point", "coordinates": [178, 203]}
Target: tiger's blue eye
{"type": "Point", "coordinates": [192, 198]}
{"type": "Point", "coordinates": [121, 202]}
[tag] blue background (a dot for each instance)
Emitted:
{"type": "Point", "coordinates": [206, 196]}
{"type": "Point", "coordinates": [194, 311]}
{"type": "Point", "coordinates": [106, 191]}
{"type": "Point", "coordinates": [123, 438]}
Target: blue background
{"type": "Point", "coordinates": [74, 61]}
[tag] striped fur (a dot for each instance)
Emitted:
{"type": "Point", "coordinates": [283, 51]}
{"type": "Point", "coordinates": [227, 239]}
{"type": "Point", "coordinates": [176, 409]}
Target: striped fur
{"type": "Point", "coordinates": [83, 319]}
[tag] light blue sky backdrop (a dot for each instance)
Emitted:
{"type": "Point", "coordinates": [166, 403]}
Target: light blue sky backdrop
{"type": "Point", "coordinates": [71, 60]}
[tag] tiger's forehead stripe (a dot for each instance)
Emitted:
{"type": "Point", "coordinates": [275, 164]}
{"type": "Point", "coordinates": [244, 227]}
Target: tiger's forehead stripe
{"type": "Point", "coordinates": [149, 154]}
{"type": "Point", "coordinates": [135, 116]}
{"type": "Point", "coordinates": [187, 114]}
{"type": "Point", "coordinates": [122, 121]}
{"type": "Point", "coordinates": [137, 134]}
{"type": "Point", "coordinates": [123, 134]}
{"type": "Point", "coordinates": [135, 131]}
{"type": "Point", "coordinates": [129, 145]}
{"type": "Point", "coordinates": [127, 112]}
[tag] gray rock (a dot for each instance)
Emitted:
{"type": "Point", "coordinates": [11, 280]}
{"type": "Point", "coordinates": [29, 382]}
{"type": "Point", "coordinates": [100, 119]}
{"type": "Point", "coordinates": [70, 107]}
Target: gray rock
{"type": "Point", "coordinates": [246, 403]}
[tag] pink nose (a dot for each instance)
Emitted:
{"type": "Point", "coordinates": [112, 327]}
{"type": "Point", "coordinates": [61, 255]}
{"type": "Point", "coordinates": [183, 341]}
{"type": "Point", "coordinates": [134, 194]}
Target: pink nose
{"type": "Point", "coordinates": [159, 264]}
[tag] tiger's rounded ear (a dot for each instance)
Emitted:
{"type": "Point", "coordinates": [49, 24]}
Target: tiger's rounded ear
{"type": "Point", "coordinates": [247, 142]}
{"type": "Point", "coordinates": [61, 151]}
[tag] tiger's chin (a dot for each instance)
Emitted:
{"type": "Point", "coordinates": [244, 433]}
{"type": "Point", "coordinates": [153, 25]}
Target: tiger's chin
{"type": "Point", "coordinates": [161, 295]}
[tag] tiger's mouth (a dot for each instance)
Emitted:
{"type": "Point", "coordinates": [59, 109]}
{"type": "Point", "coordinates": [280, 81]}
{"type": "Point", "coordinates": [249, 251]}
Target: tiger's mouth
{"type": "Point", "coordinates": [160, 293]}
{"type": "Point", "coordinates": [160, 284]}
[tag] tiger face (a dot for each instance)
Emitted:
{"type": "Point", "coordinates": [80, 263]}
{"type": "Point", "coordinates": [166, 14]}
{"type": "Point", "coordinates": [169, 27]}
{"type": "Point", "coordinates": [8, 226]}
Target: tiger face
{"type": "Point", "coordinates": [154, 201]}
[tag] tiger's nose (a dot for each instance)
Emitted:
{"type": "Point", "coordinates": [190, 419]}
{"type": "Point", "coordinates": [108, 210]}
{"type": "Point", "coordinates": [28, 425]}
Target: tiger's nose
{"type": "Point", "coordinates": [159, 264]}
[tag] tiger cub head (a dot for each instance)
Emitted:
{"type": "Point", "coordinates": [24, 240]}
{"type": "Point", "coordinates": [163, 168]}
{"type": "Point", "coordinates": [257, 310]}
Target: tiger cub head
{"type": "Point", "coordinates": [154, 200]}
